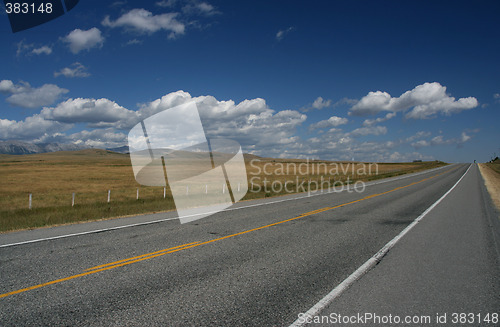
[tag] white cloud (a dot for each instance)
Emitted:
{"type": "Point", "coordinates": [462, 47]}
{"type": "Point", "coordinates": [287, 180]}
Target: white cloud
{"type": "Point", "coordinates": [333, 121]}
{"type": "Point", "coordinates": [166, 3]}
{"type": "Point", "coordinates": [318, 104]}
{"type": "Point", "coordinates": [252, 123]}
{"type": "Point", "coordinates": [29, 128]}
{"type": "Point", "coordinates": [96, 113]}
{"type": "Point", "coordinates": [133, 41]}
{"type": "Point", "coordinates": [420, 144]}
{"type": "Point", "coordinates": [23, 47]}
{"type": "Point", "coordinates": [44, 49]}
{"type": "Point", "coordinates": [440, 140]}
{"type": "Point", "coordinates": [464, 137]}
{"type": "Point", "coordinates": [75, 70]}
{"type": "Point", "coordinates": [260, 129]}
{"type": "Point", "coordinates": [144, 21]}
{"type": "Point", "coordinates": [373, 130]}
{"type": "Point", "coordinates": [79, 40]}
{"type": "Point", "coordinates": [426, 100]}
{"type": "Point", "coordinates": [418, 135]}
{"type": "Point", "coordinates": [118, 4]}
{"type": "Point", "coordinates": [25, 96]}
{"type": "Point", "coordinates": [29, 49]}
{"type": "Point", "coordinates": [371, 122]}
{"type": "Point", "coordinates": [496, 96]}
{"type": "Point", "coordinates": [200, 8]}
{"type": "Point", "coordinates": [99, 138]}
{"type": "Point", "coordinates": [282, 33]}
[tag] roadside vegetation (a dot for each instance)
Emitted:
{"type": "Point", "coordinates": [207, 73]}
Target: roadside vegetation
{"type": "Point", "coordinates": [491, 174]}
{"type": "Point", "coordinates": [52, 178]}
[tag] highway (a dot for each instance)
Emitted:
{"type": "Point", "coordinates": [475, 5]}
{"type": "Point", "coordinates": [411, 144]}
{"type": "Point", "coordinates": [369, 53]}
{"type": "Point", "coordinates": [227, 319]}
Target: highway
{"type": "Point", "coordinates": [264, 262]}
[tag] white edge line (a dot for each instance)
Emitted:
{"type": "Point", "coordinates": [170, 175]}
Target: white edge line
{"type": "Point", "coordinates": [228, 209]}
{"type": "Point", "coordinates": [368, 265]}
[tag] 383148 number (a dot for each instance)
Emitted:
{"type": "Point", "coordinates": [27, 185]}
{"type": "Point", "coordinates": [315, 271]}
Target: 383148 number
{"type": "Point", "coordinates": [28, 8]}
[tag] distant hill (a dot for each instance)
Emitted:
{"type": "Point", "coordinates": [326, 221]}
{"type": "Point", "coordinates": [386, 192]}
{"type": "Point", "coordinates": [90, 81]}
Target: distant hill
{"type": "Point", "coordinates": [122, 149]}
{"type": "Point", "coordinates": [19, 147]}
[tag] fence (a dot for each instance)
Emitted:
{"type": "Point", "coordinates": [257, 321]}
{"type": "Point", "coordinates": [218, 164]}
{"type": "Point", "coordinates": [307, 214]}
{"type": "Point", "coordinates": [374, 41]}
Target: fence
{"type": "Point", "coordinates": [268, 186]}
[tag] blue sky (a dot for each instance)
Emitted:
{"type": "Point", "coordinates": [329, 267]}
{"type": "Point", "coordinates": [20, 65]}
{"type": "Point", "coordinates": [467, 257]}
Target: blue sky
{"type": "Point", "coordinates": [369, 80]}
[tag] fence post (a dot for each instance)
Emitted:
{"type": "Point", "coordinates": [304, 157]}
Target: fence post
{"type": "Point", "coordinates": [137, 194]}
{"type": "Point", "coordinates": [187, 190]}
{"type": "Point", "coordinates": [109, 196]}
{"type": "Point", "coordinates": [238, 187]}
{"type": "Point", "coordinates": [206, 188]}
{"type": "Point", "coordinates": [164, 192]}
{"type": "Point", "coordinates": [223, 189]}
{"type": "Point", "coordinates": [73, 200]}
{"type": "Point", "coordinates": [29, 201]}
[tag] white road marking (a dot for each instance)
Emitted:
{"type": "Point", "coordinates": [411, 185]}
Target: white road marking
{"type": "Point", "coordinates": [368, 265]}
{"type": "Point", "coordinates": [228, 209]}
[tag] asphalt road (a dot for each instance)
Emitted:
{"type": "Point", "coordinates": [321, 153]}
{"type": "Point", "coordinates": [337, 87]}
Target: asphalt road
{"type": "Point", "coordinates": [262, 265]}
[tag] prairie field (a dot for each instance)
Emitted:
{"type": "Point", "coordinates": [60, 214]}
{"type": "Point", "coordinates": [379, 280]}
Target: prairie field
{"type": "Point", "coordinates": [52, 178]}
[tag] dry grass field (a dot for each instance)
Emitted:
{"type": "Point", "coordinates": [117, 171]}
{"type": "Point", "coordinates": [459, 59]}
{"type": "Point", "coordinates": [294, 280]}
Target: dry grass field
{"type": "Point", "coordinates": [51, 178]}
{"type": "Point", "coordinates": [491, 175]}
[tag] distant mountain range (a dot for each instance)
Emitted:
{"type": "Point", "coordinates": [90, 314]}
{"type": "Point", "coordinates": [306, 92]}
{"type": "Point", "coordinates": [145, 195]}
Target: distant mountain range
{"type": "Point", "coordinates": [19, 147]}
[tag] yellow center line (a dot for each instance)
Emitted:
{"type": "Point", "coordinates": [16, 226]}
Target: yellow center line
{"type": "Point", "coordinates": [139, 256]}
{"type": "Point", "coordinates": [159, 253]}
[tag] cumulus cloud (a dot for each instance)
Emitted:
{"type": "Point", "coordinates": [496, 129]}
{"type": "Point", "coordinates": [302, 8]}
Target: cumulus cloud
{"type": "Point", "coordinates": [117, 4]}
{"type": "Point", "coordinates": [420, 144]}
{"type": "Point", "coordinates": [75, 70]}
{"type": "Point", "coordinates": [25, 96]}
{"type": "Point", "coordinates": [30, 49]}
{"type": "Point", "coordinates": [42, 50]}
{"type": "Point", "coordinates": [99, 138]}
{"type": "Point", "coordinates": [166, 3]}
{"type": "Point", "coordinates": [95, 113]}
{"type": "Point", "coordinates": [79, 40]}
{"type": "Point", "coordinates": [418, 135]}
{"type": "Point", "coordinates": [133, 41]}
{"type": "Point", "coordinates": [260, 129]}
{"type": "Point", "coordinates": [29, 128]}
{"type": "Point", "coordinates": [371, 122]}
{"type": "Point", "coordinates": [440, 140]}
{"type": "Point", "coordinates": [333, 121]}
{"type": "Point", "coordinates": [200, 8]}
{"type": "Point", "coordinates": [318, 104]}
{"type": "Point", "coordinates": [282, 33]}
{"type": "Point", "coordinates": [143, 21]}
{"type": "Point", "coordinates": [373, 130]}
{"type": "Point", "coordinates": [425, 101]}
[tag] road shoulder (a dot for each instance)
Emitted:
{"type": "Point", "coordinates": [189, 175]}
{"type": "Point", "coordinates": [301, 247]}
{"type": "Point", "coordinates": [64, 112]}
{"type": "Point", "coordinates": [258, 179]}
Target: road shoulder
{"type": "Point", "coordinates": [492, 182]}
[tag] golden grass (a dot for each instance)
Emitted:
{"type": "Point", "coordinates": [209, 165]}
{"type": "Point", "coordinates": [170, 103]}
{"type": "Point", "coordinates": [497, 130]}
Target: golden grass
{"type": "Point", "coordinates": [51, 178]}
{"type": "Point", "coordinates": [491, 175]}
